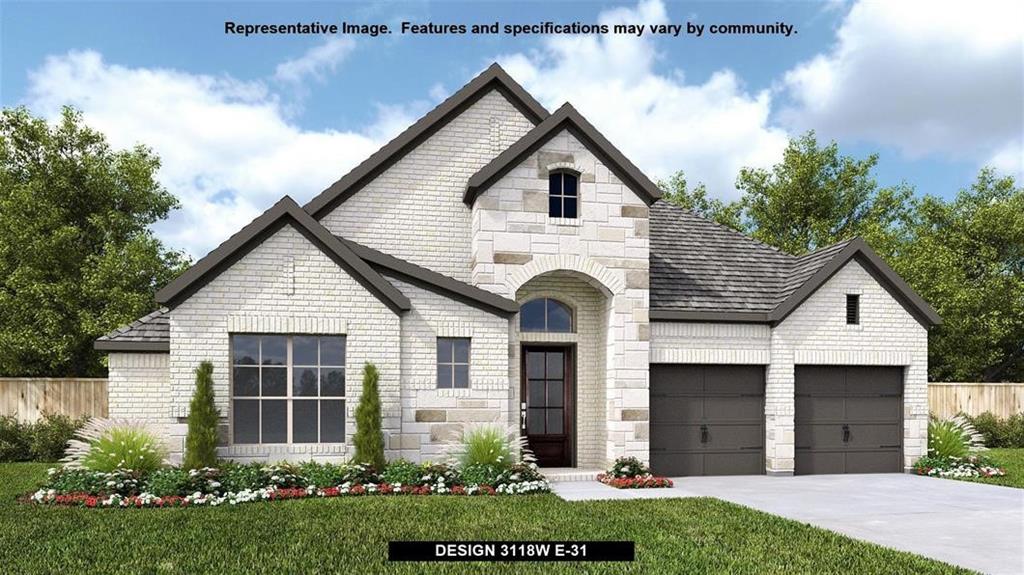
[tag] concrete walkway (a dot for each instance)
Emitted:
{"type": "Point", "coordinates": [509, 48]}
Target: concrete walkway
{"type": "Point", "coordinates": [973, 525]}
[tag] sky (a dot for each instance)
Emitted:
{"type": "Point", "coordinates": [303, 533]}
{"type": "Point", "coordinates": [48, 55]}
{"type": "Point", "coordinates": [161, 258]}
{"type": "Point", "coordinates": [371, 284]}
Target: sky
{"type": "Point", "coordinates": [936, 89]}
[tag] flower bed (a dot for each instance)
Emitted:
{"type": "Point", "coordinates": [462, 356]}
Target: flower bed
{"type": "Point", "coordinates": [631, 473]}
{"type": "Point", "coordinates": [234, 484]}
{"type": "Point", "coordinates": [958, 467]}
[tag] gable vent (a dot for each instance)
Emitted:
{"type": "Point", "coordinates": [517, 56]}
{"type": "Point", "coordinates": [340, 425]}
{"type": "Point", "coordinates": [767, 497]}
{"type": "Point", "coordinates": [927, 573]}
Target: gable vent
{"type": "Point", "coordinates": [852, 309]}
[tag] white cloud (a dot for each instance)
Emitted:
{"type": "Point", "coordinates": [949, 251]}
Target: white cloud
{"type": "Point", "coordinates": [227, 149]}
{"type": "Point", "coordinates": [925, 77]}
{"type": "Point", "coordinates": [660, 121]}
{"type": "Point", "coordinates": [316, 62]}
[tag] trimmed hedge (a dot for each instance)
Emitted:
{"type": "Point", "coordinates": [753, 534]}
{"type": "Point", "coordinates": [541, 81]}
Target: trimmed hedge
{"type": "Point", "coordinates": [45, 440]}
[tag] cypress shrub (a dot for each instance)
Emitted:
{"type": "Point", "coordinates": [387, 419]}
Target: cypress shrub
{"type": "Point", "coordinates": [203, 419]}
{"type": "Point", "coordinates": [369, 438]}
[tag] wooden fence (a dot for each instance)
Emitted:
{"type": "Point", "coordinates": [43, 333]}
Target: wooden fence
{"type": "Point", "coordinates": [1002, 399]}
{"type": "Point", "coordinates": [30, 397]}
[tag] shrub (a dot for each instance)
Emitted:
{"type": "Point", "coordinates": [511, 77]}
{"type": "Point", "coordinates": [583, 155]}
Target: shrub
{"type": "Point", "coordinates": [285, 475]}
{"type": "Point", "coordinates": [999, 432]}
{"type": "Point", "coordinates": [49, 437]}
{"type": "Point", "coordinates": [628, 467]}
{"type": "Point", "coordinates": [75, 480]}
{"type": "Point", "coordinates": [439, 477]}
{"type": "Point", "coordinates": [169, 481]}
{"type": "Point", "coordinates": [402, 472]}
{"type": "Point", "coordinates": [322, 474]}
{"type": "Point", "coordinates": [359, 474]}
{"type": "Point", "coordinates": [957, 467]}
{"type": "Point", "coordinates": [486, 445]}
{"type": "Point", "coordinates": [954, 437]}
{"type": "Point", "coordinates": [14, 439]}
{"type": "Point", "coordinates": [203, 419]}
{"type": "Point", "coordinates": [520, 473]}
{"type": "Point", "coordinates": [240, 477]}
{"type": "Point", "coordinates": [108, 445]}
{"type": "Point", "coordinates": [481, 474]}
{"type": "Point", "coordinates": [369, 439]}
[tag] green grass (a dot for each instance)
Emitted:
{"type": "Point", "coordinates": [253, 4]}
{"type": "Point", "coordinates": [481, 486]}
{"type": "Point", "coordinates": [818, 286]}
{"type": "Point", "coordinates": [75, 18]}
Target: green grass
{"type": "Point", "coordinates": [349, 535]}
{"type": "Point", "coordinates": [1012, 460]}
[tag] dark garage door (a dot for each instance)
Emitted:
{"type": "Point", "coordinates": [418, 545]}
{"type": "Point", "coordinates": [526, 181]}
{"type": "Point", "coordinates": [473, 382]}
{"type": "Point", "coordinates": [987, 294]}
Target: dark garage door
{"type": "Point", "coordinates": [707, 419]}
{"type": "Point", "coordinates": [849, 419]}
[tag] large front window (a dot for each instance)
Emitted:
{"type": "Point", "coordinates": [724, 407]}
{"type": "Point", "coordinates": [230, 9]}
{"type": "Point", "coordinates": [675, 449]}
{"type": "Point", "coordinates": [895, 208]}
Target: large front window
{"type": "Point", "coordinates": [288, 389]}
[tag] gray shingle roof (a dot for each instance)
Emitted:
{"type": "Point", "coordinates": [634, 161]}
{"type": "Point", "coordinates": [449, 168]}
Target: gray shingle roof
{"type": "Point", "coordinates": [700, 266]}
{"type": "Point", "coordinates": [151, 332]}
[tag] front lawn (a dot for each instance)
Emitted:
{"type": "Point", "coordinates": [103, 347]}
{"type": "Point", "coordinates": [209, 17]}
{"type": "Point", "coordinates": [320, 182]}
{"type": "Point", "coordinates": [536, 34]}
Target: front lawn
{"type": "Point", "coordinates": [1012, 460]}
{"type": "Point", "coordinates": [350, 534]}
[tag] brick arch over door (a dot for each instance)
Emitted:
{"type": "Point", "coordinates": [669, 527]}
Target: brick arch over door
{"type": "Point", "coordinates": [605, 280]}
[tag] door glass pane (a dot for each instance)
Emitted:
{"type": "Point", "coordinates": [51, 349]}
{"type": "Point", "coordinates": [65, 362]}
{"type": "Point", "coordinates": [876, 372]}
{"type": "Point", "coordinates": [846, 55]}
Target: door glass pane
{"type": "Point", "coordinates": [332, 381]}
{"type": "Point", "coordinates": [559, 317]}
{"type": "Point", "coordinates": [332, 421]}
{"type": "Point", "coordinates": [531, 316]}
{"type": "Point", "coordinates": [275, 381]}
{"type": "Point", "coordinates": [556, 361]}
{"type": "Point", "coordinates": [554, 421]}
{"type": "Point", "coordinates": [304, 381]}
{"type": "Point", "coordinates": [304, 421]}
{"type": "Point", "coordinates": [444, 350]}
{"type": "Point", "coordinates": [569, 208]}
{"type": "Point", "coordinates": [274, 422]}
{"type": "Point", "coordinates": [246, 380]}
{"type": "Point", "coordinates": [535, 421]}
{"type": "Point", "coordinates": [555, 393]}
{"type": "Point", "coordinates": [274, 350]}
{"type": "Point", "coordinates": [461, 376]}
{"type": "Point", "coordinates": [535, 396]}
{"type": "Point", "coordinates": [304, 350]}
{"type": "Point", "coordinates": [444, 376]}
{"type": "Point", "coordinates": [245, 349]}
{"type": "Point", "coordinates": [332, 351]}
{"type": "Point", "coordinates": [461, 347]}
{"type": "Point", "coordinates": [246, 418]}
{"type": "Point", "coordinates": [534, 365]}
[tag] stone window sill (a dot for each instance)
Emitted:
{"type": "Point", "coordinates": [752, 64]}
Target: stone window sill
{"type": "Point", "coordinates": [572, 222]}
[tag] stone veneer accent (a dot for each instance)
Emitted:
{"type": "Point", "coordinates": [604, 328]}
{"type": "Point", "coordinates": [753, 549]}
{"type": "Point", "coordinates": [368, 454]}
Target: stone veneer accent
{"type": "Point", "coordinates": [601, 246]}
{"type": "Point", "coordinates": [414, 209]}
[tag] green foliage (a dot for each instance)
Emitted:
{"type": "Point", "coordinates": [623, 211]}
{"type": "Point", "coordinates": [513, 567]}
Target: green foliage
{"type": "Point", "coordinates": [239, 477]}
{"type": "Point", "coordinates": [75, 480]}
{"type": "Point", "coordinates": [203, 420]}
{"type": "Point", "coordinates": [402, 472]}
{"type": "Point", "coordinates": [481, 474]}
{"type": "Point", "coordinates": [14, 440]}
{"type": "Point", "coordinates": [49, 437]}
{"type": "Point", "coordinates": [369, 438]}
{"type": "Point", "coordinates": [486, 445]}
{"type": "Point", "coordinates": [77, 257]}
{"type": "Point", "coordinates": [169, 481]}
{"type": "Point", "coordinates": [696, 200]}
{"type": "Point", "coordinates": [954, 437]}
{"type": "Point", "coordinates": [322, 474]}
{"type": "Point", "coordinates": [999, 432]}
{"type": "Point", "coordinates": [628, 467]}
{"type": "Point", "coordinates": [519, 473]}
{"type": "Point", "coordinates": [109, 445]}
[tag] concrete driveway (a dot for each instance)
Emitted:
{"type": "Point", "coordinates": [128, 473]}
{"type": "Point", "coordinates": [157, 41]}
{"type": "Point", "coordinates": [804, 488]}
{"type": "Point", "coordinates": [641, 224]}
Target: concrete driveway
{"type": "Point", "coordinates": [973, 525]}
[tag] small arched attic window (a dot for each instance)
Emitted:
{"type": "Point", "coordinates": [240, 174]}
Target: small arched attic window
{"type": "Point", "coordinates": [563, 194]}
{"type": "Point", "coordinates": [545, 315]}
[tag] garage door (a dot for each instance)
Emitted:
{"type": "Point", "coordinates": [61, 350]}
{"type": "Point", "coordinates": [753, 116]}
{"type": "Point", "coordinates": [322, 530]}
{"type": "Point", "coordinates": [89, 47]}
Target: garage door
{"type": "Point", "coordinates": [707, 419]}
{"type": "Point", "coordinates": [849, 419]}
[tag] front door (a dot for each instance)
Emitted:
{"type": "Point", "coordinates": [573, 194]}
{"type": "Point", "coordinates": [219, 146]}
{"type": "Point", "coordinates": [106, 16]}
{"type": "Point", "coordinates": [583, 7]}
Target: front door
{"type": "Point", "coordinates": [546, 403]}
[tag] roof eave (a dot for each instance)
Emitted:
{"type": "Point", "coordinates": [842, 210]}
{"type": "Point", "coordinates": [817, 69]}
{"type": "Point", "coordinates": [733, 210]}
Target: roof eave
{"type": "Point", "coordinates": [132, 346]}
{"type": "Point", "coordinates": [708, 316]}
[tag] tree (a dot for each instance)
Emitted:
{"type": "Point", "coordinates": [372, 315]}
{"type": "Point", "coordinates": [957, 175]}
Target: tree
{"type": "Point", "coordinates": [369, 439]}
{"type": "Point", "coordinates": [203, 419]}
{"type": "Point", "coordinates": [966, 258]}
{"type": "Point", "coordinates": [77, 258]}
{"type": "Point", "coordinates": [815, 197]}
{"type": "Point", "coordinates": [696, 200]}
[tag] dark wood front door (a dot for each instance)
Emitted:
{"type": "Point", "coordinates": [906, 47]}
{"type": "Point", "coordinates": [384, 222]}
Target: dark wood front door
{"type": "Point", "coordinates": [546, 403]}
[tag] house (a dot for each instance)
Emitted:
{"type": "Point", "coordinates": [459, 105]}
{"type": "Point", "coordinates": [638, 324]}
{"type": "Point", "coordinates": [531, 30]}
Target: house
{"type": "Point", "coordinates": [498, 262]}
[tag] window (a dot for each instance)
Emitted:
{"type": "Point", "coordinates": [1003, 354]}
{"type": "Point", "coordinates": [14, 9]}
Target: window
{"type": "Point", "coordinates": [562, 195]}
{"type": "Point", "coordinates": [546, 315]}
{"type": "Point", "coordinates": [852, 309]}
{"type": "Point", "coordinates": [288, 389]}
{"type": "Point", "coordinates": [452, 362]}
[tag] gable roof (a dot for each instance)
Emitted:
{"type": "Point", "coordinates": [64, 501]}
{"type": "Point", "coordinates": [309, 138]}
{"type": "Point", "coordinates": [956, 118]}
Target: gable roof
{"type": "Point", "coordinates": [493, 78]}
{"type": "Point", "coordinates": [284, 212]}
{"type": "Point", "coordinates": [149, 333]}
{"type": "Point", "coordinates": [433, 281]}
{"type": "Point", "coordinates": [703, 271]}
{"type": "Point", "coordinates": [567, 118]}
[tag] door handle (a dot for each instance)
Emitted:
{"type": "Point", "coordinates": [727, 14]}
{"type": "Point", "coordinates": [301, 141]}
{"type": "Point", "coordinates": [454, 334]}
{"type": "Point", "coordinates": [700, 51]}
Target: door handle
{"type": "Point", "coordinates": [846, 434]}
{"type": "Point", "coordinates": [522, 417]}
{"type": "Point", "coordinates": [703, 433]}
